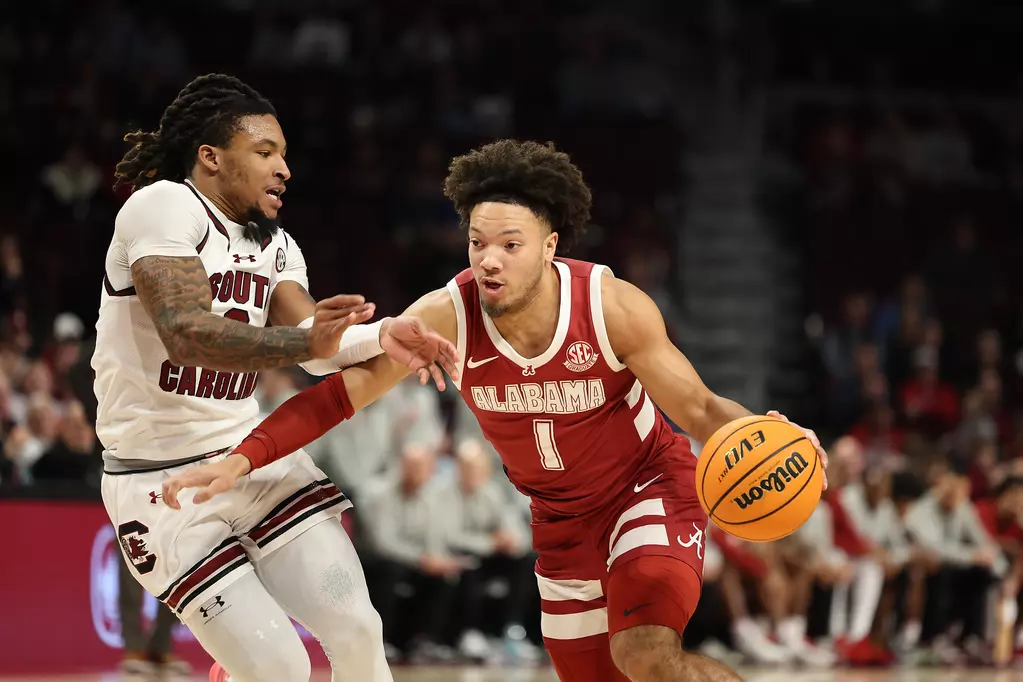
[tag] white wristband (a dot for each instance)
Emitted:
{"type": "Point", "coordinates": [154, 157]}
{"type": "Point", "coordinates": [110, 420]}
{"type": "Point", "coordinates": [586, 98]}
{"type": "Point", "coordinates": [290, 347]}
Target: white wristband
{"type": "Point", "coordinates": [359, 343]}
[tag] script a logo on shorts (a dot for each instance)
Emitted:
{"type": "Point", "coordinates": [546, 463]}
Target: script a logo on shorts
{"type": "Point", "coordinates": [776, 481]}
{"type": "Point", "coordinates": [735, 455]}
{"type": "Point", "coordinates": [580, 356]}
{"type": "Point", "coordinates": [694, 539]}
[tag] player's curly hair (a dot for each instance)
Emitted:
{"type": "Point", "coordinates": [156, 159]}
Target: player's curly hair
{"type": "Point", "coordinates": [536, 176]}
{"type": "Point", "coordinates": [206, 111]}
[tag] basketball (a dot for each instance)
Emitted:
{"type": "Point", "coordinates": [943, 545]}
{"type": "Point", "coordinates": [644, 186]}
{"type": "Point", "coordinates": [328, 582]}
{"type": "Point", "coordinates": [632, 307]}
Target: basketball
{"type": "Point", "coordinates": [759, 478]}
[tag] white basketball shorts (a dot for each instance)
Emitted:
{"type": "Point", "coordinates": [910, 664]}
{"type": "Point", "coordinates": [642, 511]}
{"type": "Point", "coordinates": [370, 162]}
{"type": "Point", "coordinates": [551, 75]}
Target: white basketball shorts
{"type": "Point", "coordinates": [185, 557]}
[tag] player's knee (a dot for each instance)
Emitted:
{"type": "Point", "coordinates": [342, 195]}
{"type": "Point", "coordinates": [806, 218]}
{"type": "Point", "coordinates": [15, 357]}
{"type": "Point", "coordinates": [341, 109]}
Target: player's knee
{"type": "Point", "coordinates": [641, 651]}
{"type": "Point", "coordinates": [357, 633]}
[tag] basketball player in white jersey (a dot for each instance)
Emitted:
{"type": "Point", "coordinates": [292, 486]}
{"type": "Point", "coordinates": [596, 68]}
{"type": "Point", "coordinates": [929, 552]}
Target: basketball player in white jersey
{"type": "Point", "coordinates": [196, 272]}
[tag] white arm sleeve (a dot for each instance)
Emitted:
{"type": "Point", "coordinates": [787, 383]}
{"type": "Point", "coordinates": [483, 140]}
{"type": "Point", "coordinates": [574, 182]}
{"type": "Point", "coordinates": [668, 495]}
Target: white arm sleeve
{"type": "Point", "coordinates": [359, 343]}
{"type": "Point", "coordinates": [164, 219]}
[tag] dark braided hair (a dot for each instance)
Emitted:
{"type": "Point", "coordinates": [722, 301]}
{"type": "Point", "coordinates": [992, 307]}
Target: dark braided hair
{"type": "Point", "coordinates": [536, 176]}
{"type": "Point", "coordinates": [206, 111]}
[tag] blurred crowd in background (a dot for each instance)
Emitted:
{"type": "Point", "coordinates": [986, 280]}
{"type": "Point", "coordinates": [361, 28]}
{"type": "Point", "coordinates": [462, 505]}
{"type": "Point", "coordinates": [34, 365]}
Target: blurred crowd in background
{"type": "Point", "coordinates": [902, 200]}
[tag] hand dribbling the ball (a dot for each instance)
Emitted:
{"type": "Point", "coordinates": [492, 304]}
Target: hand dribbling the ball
{"type": "Point", "coordinates": [823, 456]}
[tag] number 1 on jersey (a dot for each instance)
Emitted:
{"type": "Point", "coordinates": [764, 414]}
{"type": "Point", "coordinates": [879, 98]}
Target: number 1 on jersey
{"type": "Point", "coordinates": [550, 458]}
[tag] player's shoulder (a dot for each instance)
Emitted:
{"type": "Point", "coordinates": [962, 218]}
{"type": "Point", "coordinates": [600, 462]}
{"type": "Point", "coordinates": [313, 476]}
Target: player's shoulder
{"type": "Point", "coordinates": [163, 194]}
{"type": "Point", "coordinates": [464, 278]}
{"type": "Point", "coordinates": [579, 268]}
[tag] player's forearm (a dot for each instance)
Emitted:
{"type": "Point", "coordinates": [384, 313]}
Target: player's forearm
{"type": "Point", "coordinates": [299, 421]}
{"type": "Point", "coordinates": [702, 418]}
{"type": "Point", "coordinates": [369, 380]}
{"type": "Point", "coordinates": [213, 342]}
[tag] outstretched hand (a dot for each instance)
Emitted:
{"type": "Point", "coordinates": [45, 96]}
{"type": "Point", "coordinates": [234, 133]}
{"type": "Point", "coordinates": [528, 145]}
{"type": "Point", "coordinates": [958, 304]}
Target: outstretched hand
{"type": "Point", "coordinates": [213, 479]}
{"type": "Point", "coordinates": [408, 341]}
{"type": "Point", "coordinates": [812, 437]}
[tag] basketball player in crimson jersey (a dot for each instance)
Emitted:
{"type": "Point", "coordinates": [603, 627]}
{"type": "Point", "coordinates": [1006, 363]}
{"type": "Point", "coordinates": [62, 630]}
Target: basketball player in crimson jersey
{"type": "Point", "coordinates": [562, 364]}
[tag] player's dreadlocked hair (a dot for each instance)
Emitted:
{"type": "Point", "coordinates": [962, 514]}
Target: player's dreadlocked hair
{"type": "Point", "coordinates": [206, 111]}
{"type": "Point", "coordinates": [536, 176]}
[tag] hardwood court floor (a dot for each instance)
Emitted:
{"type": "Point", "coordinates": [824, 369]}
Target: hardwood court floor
{"type": "Point", "coordinates": [545, 675]}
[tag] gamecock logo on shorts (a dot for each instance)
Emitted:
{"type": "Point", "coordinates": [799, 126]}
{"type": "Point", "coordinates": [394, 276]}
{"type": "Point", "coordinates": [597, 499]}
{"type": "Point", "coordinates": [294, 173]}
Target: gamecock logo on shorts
{"type": "Point", "coordinates": [132, 536]}
{"type": "Point", "coordinates": [580, 356]}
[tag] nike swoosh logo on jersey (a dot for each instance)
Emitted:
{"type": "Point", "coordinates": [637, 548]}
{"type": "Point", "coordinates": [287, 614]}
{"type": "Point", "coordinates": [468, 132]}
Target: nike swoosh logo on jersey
{"type": "Point", "coordinates": [639, 488]}
{"type": "Point", "coordinates": [471, 364]}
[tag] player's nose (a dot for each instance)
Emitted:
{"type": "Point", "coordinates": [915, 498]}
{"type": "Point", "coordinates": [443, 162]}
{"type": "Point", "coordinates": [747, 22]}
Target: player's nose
{"type": "Point", "coordinates": [283, 173]}
{"type": "Point", "coordinates": [491, 262]}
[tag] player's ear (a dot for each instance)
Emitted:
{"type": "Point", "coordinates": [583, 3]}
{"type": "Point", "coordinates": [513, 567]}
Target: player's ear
{"type": "Point", "coordinates": [550, 246]}
{"type": "Point", "coordinates": [208, 156]}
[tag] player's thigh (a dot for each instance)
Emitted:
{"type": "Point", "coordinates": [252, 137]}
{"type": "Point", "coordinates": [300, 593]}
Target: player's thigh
{"type": "Point", "coordinates": [570, 575]}
{"type": "Point", "coordinates": [180, 556]}
{"type": "Point", "coordinates": [283, 500]}
{"type": "Point", "coordinates": [318, 579]}
{"type": "Point", "coordinates": [656, 590]}
{"type": "Point", "coordinates": [656, 541]}
{"type": "Point", "coordinates": [245, 630]}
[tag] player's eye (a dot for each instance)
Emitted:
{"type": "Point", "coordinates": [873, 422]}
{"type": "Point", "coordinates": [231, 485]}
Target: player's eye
{"type": "Point", "coordinates": [475, 242]}
{"type": "Point", "coordinates": [512, 246]}
{"type": "Point", "coordinates": [264, 154]}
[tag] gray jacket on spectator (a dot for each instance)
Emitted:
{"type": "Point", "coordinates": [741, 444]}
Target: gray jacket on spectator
{"type": "Point", "coordinates": [880, 524]}
{"type": "Point", "coordinates": [403, 527]}
{"type": "Point", "coordinates": [472, 519]}
{"type": "Point", "coordinates": [954, 535]}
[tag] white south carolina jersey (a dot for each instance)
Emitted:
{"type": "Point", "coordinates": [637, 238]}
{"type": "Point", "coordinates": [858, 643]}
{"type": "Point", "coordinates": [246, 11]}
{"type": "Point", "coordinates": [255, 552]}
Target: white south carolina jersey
{"type": "Point", "coordinates": [152, 412]}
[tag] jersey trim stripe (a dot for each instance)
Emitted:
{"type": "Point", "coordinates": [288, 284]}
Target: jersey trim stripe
{"type": "Point", "coordinates": [597, 315]}
{"type": "Point", "coordinates": [120, 293]}
{"type": "Point", "coordinates": [213, 216]}
{"type": "Point", "coordinates": [123, 467]}
{"type": "Point", "coordinates": [325, 495]}
{"type": "Point", "coordinates": [224, 553]}
{"type": "Point", "coordinates": [460, 334]}
{"type": "Point", "coordinates": [202, 244]}
{"type": "Point", "coordinates": [560, 333]}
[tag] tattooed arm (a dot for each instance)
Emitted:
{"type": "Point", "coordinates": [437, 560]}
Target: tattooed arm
{"type": "Point", "coordinates": [176, 294]}
{"type": "Point", "coordinates": [158, 234]}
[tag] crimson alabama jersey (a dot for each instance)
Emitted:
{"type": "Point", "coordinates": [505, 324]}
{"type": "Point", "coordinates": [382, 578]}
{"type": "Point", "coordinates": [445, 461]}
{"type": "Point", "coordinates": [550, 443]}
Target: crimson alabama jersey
{"type": "Point", "coordinates": [572, 425]}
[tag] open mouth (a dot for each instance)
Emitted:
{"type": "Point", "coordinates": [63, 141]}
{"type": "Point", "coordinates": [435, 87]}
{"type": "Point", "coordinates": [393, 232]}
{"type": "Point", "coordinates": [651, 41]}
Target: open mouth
{"type": "Point", "coordinates": [275, 196]}
{"type": "Point", "coordinates": [491, 286]}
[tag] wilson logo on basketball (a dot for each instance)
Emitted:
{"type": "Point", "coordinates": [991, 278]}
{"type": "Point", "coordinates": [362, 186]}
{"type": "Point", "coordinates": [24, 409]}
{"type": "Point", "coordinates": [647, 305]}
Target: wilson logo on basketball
{"type": "Point", "coordinates": [580, 356]}
{"type": "Point", "coordinates": [735, 455]}
{"type": "Point", "coordinates": [776, 481]}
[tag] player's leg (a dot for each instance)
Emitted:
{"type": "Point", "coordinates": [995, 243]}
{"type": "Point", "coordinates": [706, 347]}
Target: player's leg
{"type": "Point", "coordinates": [318, 579]}
{"type": "Point", "coordinates": [650, 599]}
{"type": "Point", "coordinates": [190, 560]}
{"type": "Point", "coordinates": [247, 632]}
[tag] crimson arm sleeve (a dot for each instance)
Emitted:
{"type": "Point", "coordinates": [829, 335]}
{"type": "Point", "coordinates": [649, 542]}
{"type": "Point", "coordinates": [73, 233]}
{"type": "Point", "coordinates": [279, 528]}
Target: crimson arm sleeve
{"type": "Point", "coordinates": [298, 422]}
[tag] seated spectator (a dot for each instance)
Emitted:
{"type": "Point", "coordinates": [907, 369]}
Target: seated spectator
{"type": "Point", "coordinates": [76, 456]}
{"type": "Point", "coordinates": [945, 522]}
{"type": "Point", "coordinates": [27, 444]}
{"type": "Point", "coordinates": [486, 531]}
{"type": "Point", "coordinates": [405, 526]}
{"type": "Point", "coordinates": [782, 583]}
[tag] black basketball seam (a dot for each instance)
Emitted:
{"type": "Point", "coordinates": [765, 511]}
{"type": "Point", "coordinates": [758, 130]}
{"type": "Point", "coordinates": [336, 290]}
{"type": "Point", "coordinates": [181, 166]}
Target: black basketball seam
{"type": "Point", "coordinates": [752, 471]}
{"type": "Point", "coordinates": [725, 439]}
{"type": "Point", "coordinates": [816, 460]}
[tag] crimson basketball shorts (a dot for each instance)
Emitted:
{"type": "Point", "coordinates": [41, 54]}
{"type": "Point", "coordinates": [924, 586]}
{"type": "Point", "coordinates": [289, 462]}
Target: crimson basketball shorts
{"type": "Point", "coordinates": [636, 561]}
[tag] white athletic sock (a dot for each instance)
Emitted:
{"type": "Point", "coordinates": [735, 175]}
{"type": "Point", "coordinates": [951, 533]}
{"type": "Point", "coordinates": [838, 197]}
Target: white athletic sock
{"type": "Point", "coordinates": [839, 622]}
{"type": "Point", "coordinates": [868, 583]}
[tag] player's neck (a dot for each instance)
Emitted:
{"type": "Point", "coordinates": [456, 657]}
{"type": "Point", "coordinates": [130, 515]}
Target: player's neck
{"type": "Point", "coordinates": [533, 326]}
{"type": "Point", "coordinates": [208, 189]}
